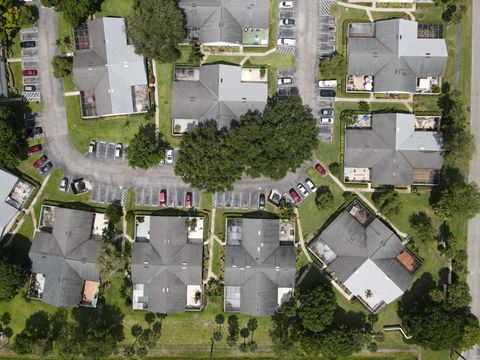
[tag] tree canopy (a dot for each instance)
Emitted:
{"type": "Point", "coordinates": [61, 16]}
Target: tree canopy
{"type": "Point", "coordinates": [13, 274]}
{"type": "Point", "coordinates": [62, 66]}
{"type": "Point", "coordinates": [13, 144]}
{"type": "Point", "coordinates": [156, 27]}
{"type": "Point", "coordinates": [316, 308]}
{"type": "Point", "coordinates": [144, 150]}
{"type": "Point", "coordinates": [13, 16]}
{"type": "Point", "coordinates": [75, 11]}
{"type": "Point", "coordinates": [335, 66]}
{"type": "Point", "coordinates": [388, 201]}
{"type": "Point", "coordinates": [323, 197]}
{"type": "Point", "coordinates": [421, 223]}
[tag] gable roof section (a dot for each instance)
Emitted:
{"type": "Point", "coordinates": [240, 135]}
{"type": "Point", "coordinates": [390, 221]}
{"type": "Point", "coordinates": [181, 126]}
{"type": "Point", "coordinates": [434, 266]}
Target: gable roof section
{"type": "Point", "coordinates": [365, 255]}
{"type": "Point", "coordinates": [257, 263]}
{"type": "Point", "coordinates": [66, 256]}
{"type": "Point", "coordinates": [7, 211]}
{"type": "Point", "coordinates": [219, 95]}
{"type": "Point", "coordinates": [110, 67]}
{"type": "Point", "coordinates": [168, 260]}
{"type": "Point", "coordinates": [224, 20]}
{"type": "Point", "coordinates": [396, 56]}
{"type": "Point", "coordinates": [392, 149]}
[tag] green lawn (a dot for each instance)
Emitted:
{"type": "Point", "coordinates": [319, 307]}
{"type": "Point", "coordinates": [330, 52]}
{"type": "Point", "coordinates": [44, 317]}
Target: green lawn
{"type": "Point", "coordinates": [119, 8]}
{"type": "Point", "coordinates": [15, 48]}
{"type": "Point", "coordinates": [115, 129]}
{"type": "Point", "coordinates": [217, 264]}
{"type": "Point", "coordinates": [17, 77]}
{"type": "Point", "coordinates": [224, 59]}
{"type": "Point", "coordinates": [311, 217]}
{"type": "Point", "coordinates": [65, 31]}
{"type": "Point", "coordinates": [273, 62]}
{"type": "Point", "coordinates": [69, 83]}
{"type": "Point", "coordinates": [426, 104]}
{"type": "Point", "coordinates": [164, 84]}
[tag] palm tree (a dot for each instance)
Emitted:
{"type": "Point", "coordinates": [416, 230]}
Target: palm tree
{"type": "Point", "coordinates": [216, 336]}
{"type": "Point", "coordinates": [220, 319]}
{"type": "Point", "coordinates": [252, 326]}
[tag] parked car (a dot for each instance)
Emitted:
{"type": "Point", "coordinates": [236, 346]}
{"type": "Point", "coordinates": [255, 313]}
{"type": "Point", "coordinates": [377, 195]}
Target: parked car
{"type": "Point", "coordinates": [163, 198]}
{"type": "Point", "coordinates": [29, 88]}
{"type": "Point", "coordinates": [327, 112]}
{"type": "Point", "coordinates": [169, 156]}
{"type": "Point", "coordinates": [40, 161]}
{"type": "Point", "coordinates": [27, 44]}
{"type": "Point", "coordinates": [302, 189]}
{"type": "Point", "coordinates": [287, 22]}
{"type": "Point", "coordinates": [118, 150]}
{"type": "Point", "coordinates": [261, 201]}
{"type": "Point", "coordinates": [64, 184]}
{"type": "Point", "coordinates": [294, 195]}
{"type": "Point", "coordinates": [286, 5]}
{"type": "Point", "coordinates": [310, 185]}
{"type": "Point", "coordinates": [328, 93]}
{"type": "Point", "coordinates": [34, 132]}
{"type": "Point", "coordinates": [286, 42]}
{"type": "Point", "coordinates": [326, 120]}
{"type": "Point", "coordinates": [34, 149]}
{"type": "Point", "coordinates": [92, 146]}
{"type": "Point", "coordinates": [284, 80]}
{"type": "Point", "coordinates": [321, 169]}
{"type": "Point", "coordinates": [188, 200]}
{"type": "Point", "coordinates": [327, 83]}
{"type": "Point", "coordinates": [30, 72]}
{"type": "Point", "coordinates": [46, 168]}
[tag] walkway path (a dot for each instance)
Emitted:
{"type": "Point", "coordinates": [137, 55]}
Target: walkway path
{"type": "Point", "coordinates": [157, 112]}
{"type": "Point", "coordinates": [300, 237]}
{"type": "Point", "coordinates": [377, 9]}
{"type": "Point", "coordinates": [72, 93]}
{"type": "Point", "coordinates": [211, 241]}
{"type": "Point", "coordinates": [14, 60]}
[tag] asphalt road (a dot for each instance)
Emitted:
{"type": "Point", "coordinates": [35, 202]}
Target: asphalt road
{"type": "Point", "coordinates": [473, 277]}
{"type": "Point", "coordinates": [62, 153]}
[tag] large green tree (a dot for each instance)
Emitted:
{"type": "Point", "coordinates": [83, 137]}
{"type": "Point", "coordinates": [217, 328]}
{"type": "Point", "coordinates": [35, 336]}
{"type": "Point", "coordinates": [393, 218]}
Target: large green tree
{"type": "Point", "coordinates": [387, 201]}
{"type": "Point", "coordinates": [340, 342]}
{"type": "Point", "coordinates": [207, 160]}
{"type": "Point", "coordinates": [316, 308]}
{"type": "Point", "coordinates": [62, 66]}
{"type": "Point", "coordinates": [156, 27]}
{"type": "Point", "coordinates": [13, 144]}
{"type": "Point", "coordinates": [323, 197]}
{"type": "Point", "coordinates": [421, 223]}
{"type": "Point", "coordinates": [144, 150]}
{"type": "Point", "coordinates": [13, 274]}
{"type": "Point", "coordinates": [75, 11]}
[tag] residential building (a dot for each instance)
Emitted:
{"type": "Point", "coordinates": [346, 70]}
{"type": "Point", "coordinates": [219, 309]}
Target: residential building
{"type": "Point", "coordinates": [366, 258]}
{"type": "Point", "coordinates": [3, 76]}
{"type": "Point", "coordinates": [259, 265]}
{"type": "Point", "coordinates": [110, 76]}
{"type": "Point", "coordinates": [64, 254]}
{"type": "Point", "coordinates": [227, 22]}
{"type": "Point", "coordinates": [14, 192]}
{"type": "Point", "coordinates": [167, 264]}
{"type": "Point", "coordinates": [394, 149]}
{"type": "Point", "coordinates": [397, 55]}
{"type": "Point", "coordinates": [216, 92]}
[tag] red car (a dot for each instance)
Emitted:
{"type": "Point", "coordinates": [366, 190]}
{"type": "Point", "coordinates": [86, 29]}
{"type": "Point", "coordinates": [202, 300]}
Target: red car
{"type": "Point", "coordinates": [34, 149]}
{"type": "Point", "coordinates": [321, 169]}
{"type": "Point", "coordinates": [188, 200]}
{"type": "Point", "coordinates": [29, 72]}
{"type": "Point", "coordinates": [40, 162]}
{"type": "Point", "coordinates": [163, 198]}
{"type": "Point", "coordinates": [294, 195]}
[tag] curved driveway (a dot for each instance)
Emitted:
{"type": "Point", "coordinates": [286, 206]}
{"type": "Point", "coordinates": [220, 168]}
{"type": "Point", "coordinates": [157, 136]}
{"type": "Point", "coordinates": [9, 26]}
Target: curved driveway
{"type": "Point", "coordinates": [63, 154]}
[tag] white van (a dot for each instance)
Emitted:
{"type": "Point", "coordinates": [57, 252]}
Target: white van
{"type": "Point", "coordinates": [286, 42]}
{"type": "Point", "coordinates": [327, 83]}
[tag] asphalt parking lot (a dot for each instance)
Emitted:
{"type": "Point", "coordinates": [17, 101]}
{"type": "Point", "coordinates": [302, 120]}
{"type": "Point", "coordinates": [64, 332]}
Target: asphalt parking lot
{"type": "Point", "coordinates": [107, 194]}
{"type": "Point", "coordinates": [241, 199]}
{"type": "Point", "coordinates": [286, 74]}
{"type": "Point", "coordinates": [286, 31]}
{"type": "Point", "coordinates": [150, 196]}
{"type": "Point", "coordinates": [105, 151]}
{"type": "Point", "coordinates": [30, 61]}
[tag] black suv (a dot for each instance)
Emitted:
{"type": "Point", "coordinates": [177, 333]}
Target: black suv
{"type": "Point", "coordinates": [28, 44]}
{"type": "Point", "coordinates": [327, 93]}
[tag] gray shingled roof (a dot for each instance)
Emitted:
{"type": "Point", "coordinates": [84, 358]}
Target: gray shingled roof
{"type": "Point", "coordinates": [110, 67]}
{"type": "Point", "coordinates": [219, 95]}
{"type": "Point", "coordinates": [354, 243]}
{"type": "Point", "coordinates": [257, 263]}
{"type": "Point", "coordinates": [224, 20]}
{"type": "Point", "coordinates": [396, 57]}
{"type": "Point", "coordinates": [168, 260]}
{"type": "Point", "coordinates": [66, 256]}
{"type": "Point", "coordinates": [7, 211]}
{"type": "Point", "coordinates": [392, 149]}
{"type": "Point", "coordinates": [3, 76]}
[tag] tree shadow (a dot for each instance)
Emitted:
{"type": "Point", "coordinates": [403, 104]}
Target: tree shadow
{"type": "Point", "coordinates": [38, 325]}
{"type": "Point", "coordinates": [418, 295]}
{"type": "Point", "coordinates": [350, 319]}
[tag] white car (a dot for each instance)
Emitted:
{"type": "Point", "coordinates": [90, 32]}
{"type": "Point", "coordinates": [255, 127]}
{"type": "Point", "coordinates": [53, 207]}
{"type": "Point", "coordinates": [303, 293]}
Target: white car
{"type": "Point", "coordinates": [286, 42]}
{"type": "Point", "coordinates": [118, 150]}
{"type": "Point", "coordinates": [310, 185]}
{"type": "Point", "coordinates": [327, 120]}
{"type": "Point", "coordinates": [302, 189]}
{"type": "Point", "coordinates": [284, 80]}
{"type": "Point", "coordinates": [64, 185]}
{"type": "Point", "coordinates": [286, 5]}
{"type": "Point", "coordinates": [169, 156]}
{"type": "Point", "coordinates": [287, 22]}
{"type": "Point", "coordinates": [92, 146]}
